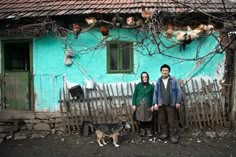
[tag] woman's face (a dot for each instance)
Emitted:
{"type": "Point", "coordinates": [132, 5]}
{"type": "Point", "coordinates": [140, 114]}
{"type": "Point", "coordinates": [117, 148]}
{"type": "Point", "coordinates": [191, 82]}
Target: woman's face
{"type": "Point", "coordinates": [144, 77]}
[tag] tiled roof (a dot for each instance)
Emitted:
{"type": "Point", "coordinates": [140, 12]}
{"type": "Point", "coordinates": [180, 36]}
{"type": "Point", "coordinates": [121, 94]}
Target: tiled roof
{"type": "Point", "coordinates": [37, 8]}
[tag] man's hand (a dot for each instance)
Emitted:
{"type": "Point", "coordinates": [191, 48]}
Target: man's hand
{"type": "Point", "coordinates": [155, 107]}
{"type": "Point", "coordinates": [177, 105]}
{"type": "Point", "coordinates": [133, 107]}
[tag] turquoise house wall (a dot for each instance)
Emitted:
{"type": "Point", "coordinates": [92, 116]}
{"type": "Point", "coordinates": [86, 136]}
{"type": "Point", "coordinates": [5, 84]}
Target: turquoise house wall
{"type": "Point", "coordinates": [89, 62]}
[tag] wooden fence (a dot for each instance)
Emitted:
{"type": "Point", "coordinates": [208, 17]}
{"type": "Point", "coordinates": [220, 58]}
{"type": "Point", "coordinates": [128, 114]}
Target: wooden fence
{"type": "Point", "coordinates": [104, 104]}
{"type": "Point", "coordinates": [203, 106]}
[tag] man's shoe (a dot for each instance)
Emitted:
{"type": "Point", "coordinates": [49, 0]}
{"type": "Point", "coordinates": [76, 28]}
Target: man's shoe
{"type": "Point", "coordinates": [174, 140]}
{"type": "Point", "coordinates": [149, 132]}
{"type": "Point", "coordinates": [163, 136]}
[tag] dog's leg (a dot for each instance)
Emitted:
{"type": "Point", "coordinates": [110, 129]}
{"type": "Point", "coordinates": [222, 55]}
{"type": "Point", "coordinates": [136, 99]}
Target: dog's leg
{"type": "Point", "coordinates": [99, 143]}
{"type": "Point", "coordinates": [103, 141]}
{"type": "Point", "coordinates": [99, 137]}
{"type": "Point", "coordinates": [115, 139]}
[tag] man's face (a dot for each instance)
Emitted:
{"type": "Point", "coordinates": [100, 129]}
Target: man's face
{"type": "Point", "coordinates": [144, 78]}
{"type": "Point", "coordinates": [165, 72]}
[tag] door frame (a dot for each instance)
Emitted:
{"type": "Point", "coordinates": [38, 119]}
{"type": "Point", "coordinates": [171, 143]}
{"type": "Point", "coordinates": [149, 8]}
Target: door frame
{"type": "Point", "coordinates": [31, 78]}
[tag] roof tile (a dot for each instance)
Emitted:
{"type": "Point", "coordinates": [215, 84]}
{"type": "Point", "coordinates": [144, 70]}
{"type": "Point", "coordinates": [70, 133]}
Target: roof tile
{"type": "Point", "coordinates": [32, 8]}
{"type": "Point", "coordinates": [62, 12]}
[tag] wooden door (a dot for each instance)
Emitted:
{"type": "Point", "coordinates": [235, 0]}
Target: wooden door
{"type": "Point", "coordinates": [16, 90]}
{"type": "Point", "coordinates": [16, 83]}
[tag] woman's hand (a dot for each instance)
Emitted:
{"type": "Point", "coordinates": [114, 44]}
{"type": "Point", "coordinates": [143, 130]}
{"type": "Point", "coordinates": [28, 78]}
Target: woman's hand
{"type": "Point", "coordinates": [152, 108]}
{"type": "Point", "coordinates": [133, 107]}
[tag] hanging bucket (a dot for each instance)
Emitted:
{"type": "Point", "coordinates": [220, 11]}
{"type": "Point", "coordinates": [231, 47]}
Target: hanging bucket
{"type": "Point", "coordinates": [90, 84]}
{"type": "Point", "coordinates": [77, 92]}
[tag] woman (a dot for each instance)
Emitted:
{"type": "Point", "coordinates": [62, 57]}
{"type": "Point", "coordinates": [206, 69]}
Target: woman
{"type": "Point", "coordinates": [142, 104]}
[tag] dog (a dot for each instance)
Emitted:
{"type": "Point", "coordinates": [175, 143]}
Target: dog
{"type": "Point", "coordinates": [111, 130]}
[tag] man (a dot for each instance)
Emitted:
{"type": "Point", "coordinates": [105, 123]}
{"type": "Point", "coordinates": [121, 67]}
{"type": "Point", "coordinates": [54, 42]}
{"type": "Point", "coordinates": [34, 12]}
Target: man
{"type": "Point", "coordinates": [166, 99]}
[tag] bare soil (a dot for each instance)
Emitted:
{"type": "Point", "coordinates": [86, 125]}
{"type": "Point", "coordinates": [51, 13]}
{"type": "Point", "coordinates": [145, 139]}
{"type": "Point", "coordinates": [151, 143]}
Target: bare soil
{"type": "Point", "coordinates": [190, 145]}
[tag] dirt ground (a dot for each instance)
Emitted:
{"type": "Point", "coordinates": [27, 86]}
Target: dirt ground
{"type": "Point", "coordinates": [192, 144]}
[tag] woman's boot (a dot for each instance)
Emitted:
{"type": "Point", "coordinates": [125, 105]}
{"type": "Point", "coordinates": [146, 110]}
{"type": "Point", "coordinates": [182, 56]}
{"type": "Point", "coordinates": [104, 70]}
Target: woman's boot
{"type": "Point", "coordinates": [142, 132]}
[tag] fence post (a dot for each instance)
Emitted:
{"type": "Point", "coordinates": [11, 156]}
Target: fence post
{"type": "Point", "coordinates": [88, 104]}
{"type": "Point", "coordinates": [233, 111]}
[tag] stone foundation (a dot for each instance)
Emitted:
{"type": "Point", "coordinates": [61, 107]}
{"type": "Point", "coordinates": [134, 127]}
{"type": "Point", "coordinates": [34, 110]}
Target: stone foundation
{"type": "Point", "coordinates": [40, 126]}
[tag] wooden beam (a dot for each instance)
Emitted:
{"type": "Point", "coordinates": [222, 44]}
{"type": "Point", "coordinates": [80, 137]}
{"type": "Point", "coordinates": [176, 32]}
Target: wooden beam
{"type": "Point", "coordinates": [9, 115]}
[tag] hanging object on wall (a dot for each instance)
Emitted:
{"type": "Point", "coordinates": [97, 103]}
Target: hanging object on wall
{"type": "Point", "coordinates": [169, 31]}
{"type": "Point", "coordinates": [104, 30]}
{"type": "Point", "coordinates": [209, 29]}
{"type": "Point", "coordinates": [187, 37]}
{"type": "Point", "coordinates": [76, 29]}
{"type": "Point", "coordinates": [90, 84]}
{"type": "Point", "coordinates": [91, 20]}
{"type": "Point", "coordinates": [69, 54]}
{"type": "Point", "coordinates": [139, 22]}
{"type": "Point", "coordinates": [130, 21]}
{"type": "Point", "coordinates": [76, 92]}
{"type": "Point", "coordinates": [195, 33]}
{"type": "Point", "coordinates": [200, 30]}
{"type": "Point", "coordinates": [117, 20]}
{"type": "Point", "coordinates": [147, 15]}
{"type": "Point", "coordinates": [183, 38]}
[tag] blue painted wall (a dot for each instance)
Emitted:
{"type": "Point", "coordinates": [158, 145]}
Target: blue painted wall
{"type": "Point", "coordinates": [89, 61]}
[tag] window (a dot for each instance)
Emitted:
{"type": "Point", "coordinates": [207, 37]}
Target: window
{"type": "Point", "coordinates": [16, 56]}
{"type": "Point", "coordinates": [119, 57]}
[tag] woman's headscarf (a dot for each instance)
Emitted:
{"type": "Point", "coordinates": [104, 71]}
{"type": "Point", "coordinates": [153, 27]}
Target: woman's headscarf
{"type": "Point", "coordinates": [144, 83]}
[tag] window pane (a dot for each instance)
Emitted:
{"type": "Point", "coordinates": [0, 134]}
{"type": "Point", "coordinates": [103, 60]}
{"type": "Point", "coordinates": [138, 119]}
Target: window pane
{"type": "Point", "coordinates": [113, 57]}
{"type": "Point", "coordinates": [125, 56]}
{"type": "Point", "coordinates": [16, 56]}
